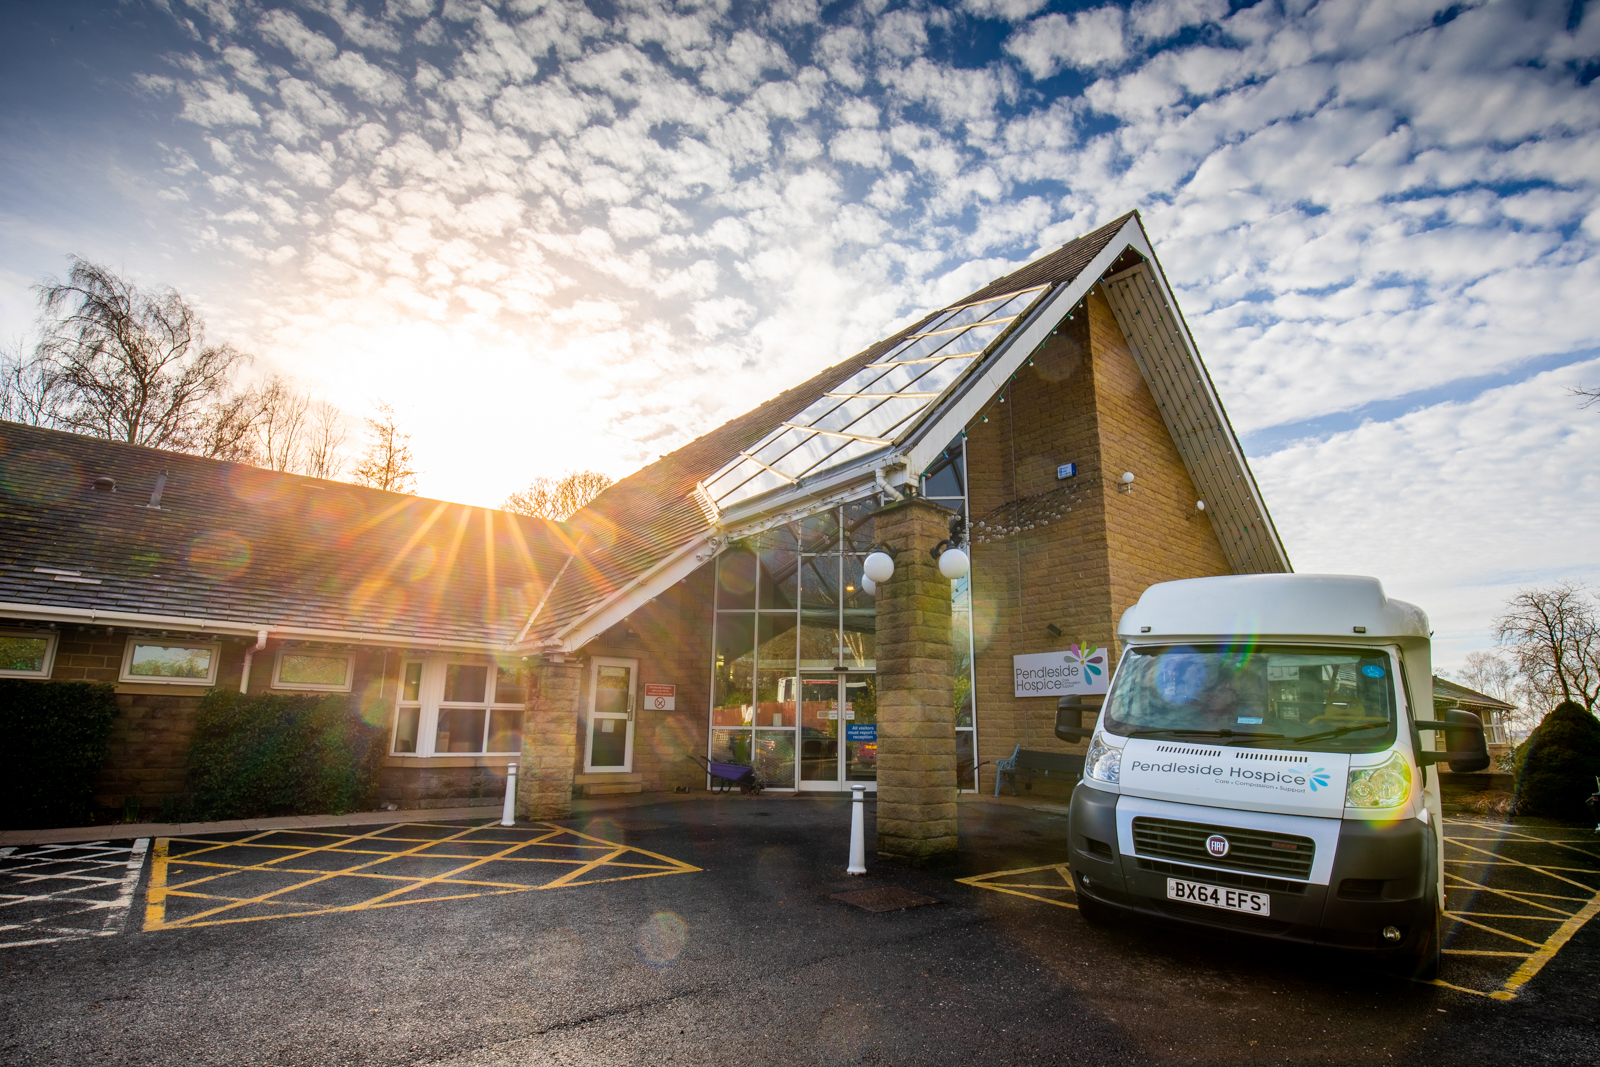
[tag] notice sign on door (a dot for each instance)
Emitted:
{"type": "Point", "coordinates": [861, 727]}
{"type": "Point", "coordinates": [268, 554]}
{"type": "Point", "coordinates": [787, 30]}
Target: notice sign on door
{"type": "Point", "coordinates": [866, 731]}
{"type": "Point", "coordinates": [658, 697]}
{"type": "Point", "coordinates": [1059, 674]}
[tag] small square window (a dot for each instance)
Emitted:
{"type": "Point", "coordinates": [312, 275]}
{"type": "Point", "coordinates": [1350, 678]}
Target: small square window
{"type": "Point", "coordinates": [173, 662]}
{"type": "Point", "coordinates": [27, 653]}
{"type": "Point", "coordinates": [308, 669]}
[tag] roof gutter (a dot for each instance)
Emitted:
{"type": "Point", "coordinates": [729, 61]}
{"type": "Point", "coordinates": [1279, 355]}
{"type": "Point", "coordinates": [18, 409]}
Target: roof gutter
{"type": "Point", "coordinates": [234, 628]}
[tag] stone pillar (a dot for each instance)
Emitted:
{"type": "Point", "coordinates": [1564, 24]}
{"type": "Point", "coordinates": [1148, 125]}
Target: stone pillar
{"type": "Point", "coordinates": [916, 724]}
{"type": "Point", "coordinates": [549, 741]}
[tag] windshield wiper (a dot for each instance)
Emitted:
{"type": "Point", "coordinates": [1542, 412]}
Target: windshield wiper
{"type": "Point", "coordinates": [1242, 734]}
{"type": "Point", "coordinates": [1340, 732]}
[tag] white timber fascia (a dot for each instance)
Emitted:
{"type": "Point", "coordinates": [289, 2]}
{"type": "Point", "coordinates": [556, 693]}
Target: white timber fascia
{"type": "Point", "coordinates": [232, 627]}
{"type": "Point", "coordinates": [922, 446]}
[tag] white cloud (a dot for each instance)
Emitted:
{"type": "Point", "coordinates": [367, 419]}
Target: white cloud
{"type": "Point", "coordinates": [1085, 40]}
{"type": "Point", "coordinates": [1009, 10]}
{"type": "Point", "coordinates": [211, 103]}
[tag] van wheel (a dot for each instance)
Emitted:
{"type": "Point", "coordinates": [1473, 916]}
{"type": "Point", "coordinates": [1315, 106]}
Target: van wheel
{"type": "Point", "coordinates": [1424, 964]}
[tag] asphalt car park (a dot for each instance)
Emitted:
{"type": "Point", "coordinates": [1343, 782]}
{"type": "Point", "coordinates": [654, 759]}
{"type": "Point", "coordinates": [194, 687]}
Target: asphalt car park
{"type": "Point", "coordinates": [725, 930]}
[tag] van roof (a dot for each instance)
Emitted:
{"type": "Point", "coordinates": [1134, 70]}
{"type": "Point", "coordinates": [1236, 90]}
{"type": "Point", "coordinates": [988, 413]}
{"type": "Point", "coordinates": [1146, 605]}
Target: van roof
{"type": "Point", "coordinates": [1300, 605]}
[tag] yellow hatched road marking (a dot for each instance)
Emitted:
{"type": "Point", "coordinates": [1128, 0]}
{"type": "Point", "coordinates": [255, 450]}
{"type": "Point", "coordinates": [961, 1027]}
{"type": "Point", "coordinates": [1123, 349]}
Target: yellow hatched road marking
{"type": "Point", "coordinates": [618, 862]}
{"type": "Point", "coordinates": [987, 881]}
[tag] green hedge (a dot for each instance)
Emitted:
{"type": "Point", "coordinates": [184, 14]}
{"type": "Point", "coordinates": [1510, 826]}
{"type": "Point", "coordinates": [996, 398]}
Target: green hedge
{"type": "Point", "coordinates": [281, 755]}
{"type": "Point", "coordinates": [1557, 765]}
{"type": "Point", "coordinates": [56, 734]}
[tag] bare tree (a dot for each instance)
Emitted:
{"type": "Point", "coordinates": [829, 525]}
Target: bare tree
{"type": "Point", "coordinates": [228, 430]}
{"type": "Point", "coordinates": [386, 464]}
{"type": "Point", "coordinates": [132, 365]}
{"type": "Point", "coordinates": [27, 393]}
{"type": "Point", "coordinates": [324, 439]}
{"type": "Point", "coordinates": [557, 498]}
{"type": "Point", "coordinates": [1592, 396]}
{"type": "Point", "coordinates": [280, 425]}
{"type": "Point", "coordinates": [1554, 634]}
{"type": "Point", "coordinates": [1492, 674]}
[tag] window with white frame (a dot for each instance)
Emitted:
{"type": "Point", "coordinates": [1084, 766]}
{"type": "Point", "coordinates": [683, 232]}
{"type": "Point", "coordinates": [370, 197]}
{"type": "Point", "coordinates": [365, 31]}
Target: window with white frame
{"type": "Point", "coordinates": [27, 653]}
{"type": "Point", "coordinates": [455, 706]}
{"type": "Point", "coordinates": [313, 669]}
{"type": "Point", "coordinates": [161, 659]}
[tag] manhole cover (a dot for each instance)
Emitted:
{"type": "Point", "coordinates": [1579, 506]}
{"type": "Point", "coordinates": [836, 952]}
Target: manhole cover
{"type": "Point", "coordinates": [885, 898]}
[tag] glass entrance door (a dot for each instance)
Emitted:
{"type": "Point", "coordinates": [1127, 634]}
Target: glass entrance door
{"type": "Point", "coordinates": [838, 730]}
{"type": "Point", "coordinates": [611, 703]}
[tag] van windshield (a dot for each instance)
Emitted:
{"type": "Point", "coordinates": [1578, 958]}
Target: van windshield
{"type": "Point", "coordinates": [1323, 699]}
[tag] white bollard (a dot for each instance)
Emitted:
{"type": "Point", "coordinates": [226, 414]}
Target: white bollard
{"type": "Point", "coordinates": [858, 830]}
{"type": "Point", "coordinates": [508, 817]}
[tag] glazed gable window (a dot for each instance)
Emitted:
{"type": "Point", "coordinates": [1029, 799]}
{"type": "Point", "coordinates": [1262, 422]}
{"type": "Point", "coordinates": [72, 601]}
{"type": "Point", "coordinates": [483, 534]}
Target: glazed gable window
{"type": "Point", "coordinates": [160, 659]}
{"type": "Point", "coordinates": [314, 670]}
{"type": "Point", "coordinates": [27, 653]}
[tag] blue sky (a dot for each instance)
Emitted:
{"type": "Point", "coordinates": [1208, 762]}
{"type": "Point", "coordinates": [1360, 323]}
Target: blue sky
{"type": "Point", "coordinates": [562, 235]}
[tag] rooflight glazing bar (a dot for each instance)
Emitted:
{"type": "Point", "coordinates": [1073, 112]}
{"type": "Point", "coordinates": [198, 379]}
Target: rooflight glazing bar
{"type": "Point", "coordinates": [837, 433]}
{"type": "Point", "coordinates": [767, 467]}
{"type": "Point", "coordinates": [881, 396]}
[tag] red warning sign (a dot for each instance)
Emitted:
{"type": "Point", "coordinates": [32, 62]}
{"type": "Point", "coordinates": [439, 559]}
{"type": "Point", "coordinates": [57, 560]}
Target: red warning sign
{"type": "Point", "coordinates": [658, 697]}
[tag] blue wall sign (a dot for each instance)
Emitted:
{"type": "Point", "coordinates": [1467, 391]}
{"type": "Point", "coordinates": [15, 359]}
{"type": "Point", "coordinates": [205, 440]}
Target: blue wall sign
{"type": "Point", "coordinates": [1066, 470]}
{"type": "Point", "coordinates": [866, 731]}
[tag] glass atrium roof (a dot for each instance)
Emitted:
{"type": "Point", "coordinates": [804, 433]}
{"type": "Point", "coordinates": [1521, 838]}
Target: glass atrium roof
{"type": "Point", "coordinates": [877, 404]}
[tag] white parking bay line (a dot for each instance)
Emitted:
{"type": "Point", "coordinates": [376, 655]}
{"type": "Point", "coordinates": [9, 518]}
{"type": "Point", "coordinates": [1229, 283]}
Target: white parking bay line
{"type": "Point", "coordinates": [67, 892]}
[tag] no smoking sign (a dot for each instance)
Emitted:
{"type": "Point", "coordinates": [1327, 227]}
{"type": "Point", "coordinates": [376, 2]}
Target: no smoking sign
{"type": "Point", "coordinates": [658, 697]}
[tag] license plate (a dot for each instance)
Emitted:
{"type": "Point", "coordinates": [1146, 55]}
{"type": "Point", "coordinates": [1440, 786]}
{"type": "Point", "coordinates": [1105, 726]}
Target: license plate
{"type": "Point", "coordinates": [1216, 896]}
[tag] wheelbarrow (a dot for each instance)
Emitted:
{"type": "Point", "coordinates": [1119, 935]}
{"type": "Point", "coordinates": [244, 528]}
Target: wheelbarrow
{"type": "Point", "coordinates": [727, 775]}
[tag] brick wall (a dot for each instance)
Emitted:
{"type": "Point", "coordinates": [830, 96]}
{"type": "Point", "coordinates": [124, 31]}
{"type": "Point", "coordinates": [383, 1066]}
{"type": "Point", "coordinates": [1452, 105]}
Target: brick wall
{"type": "Point", "coordinates": [1083, 401]}
{"type": "Point", "coordinates": [671, 638]}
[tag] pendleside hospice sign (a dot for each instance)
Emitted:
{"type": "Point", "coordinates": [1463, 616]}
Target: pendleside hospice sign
{"type": "Point", "coordinates": [1059, 674]}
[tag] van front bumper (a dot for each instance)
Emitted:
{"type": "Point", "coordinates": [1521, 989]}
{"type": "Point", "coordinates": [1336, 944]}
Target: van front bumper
{"type": "Point", "coordinates": [1382, 876]}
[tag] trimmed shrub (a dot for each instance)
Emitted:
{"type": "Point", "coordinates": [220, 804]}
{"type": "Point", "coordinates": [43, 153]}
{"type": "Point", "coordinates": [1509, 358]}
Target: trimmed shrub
{"type": "Point", "coordinates": [275, 754]}
{"type": "Point", "coordinates": [58, 734]}
{"type": "Point", "coordinates": [1557, 764]}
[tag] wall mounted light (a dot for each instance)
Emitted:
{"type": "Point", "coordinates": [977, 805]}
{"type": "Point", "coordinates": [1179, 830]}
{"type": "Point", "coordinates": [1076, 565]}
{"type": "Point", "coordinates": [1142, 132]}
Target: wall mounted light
{"type": "Point", "coordinates": [878, 567]}
{"type": "Point", "coordinates": [1055, 631]}
{"type": "Point", "coordinates": [1126, 485]}
{"type": "Point", "coordinates": [1199, 509]}
{"type": "Point", "coordinates": [868, 586]}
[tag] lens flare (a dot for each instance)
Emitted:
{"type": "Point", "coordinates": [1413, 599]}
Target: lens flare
{"type": "Point", "coordinates": [219, 554]}
{"type": "Point", "coordinates": [662, 937]}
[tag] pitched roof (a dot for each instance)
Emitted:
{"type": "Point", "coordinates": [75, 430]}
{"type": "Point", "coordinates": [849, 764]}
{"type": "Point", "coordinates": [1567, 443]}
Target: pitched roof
{"type": "Point", "coordinates": [260, 549]}
{"type": "Point", "coordinates": [1445, 689]}
{"type": "Point", "coordinates": [650, 515]}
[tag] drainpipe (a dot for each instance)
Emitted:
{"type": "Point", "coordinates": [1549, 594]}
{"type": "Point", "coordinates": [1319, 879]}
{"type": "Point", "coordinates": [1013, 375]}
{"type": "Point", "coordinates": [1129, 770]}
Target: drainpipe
{"type": "Point", "coordinates": [250, 654]}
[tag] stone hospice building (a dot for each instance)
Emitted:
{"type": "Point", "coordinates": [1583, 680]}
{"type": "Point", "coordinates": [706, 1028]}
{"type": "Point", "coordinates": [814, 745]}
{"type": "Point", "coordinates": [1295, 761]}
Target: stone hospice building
{"type": "Point", "coordinates": [711, 604]}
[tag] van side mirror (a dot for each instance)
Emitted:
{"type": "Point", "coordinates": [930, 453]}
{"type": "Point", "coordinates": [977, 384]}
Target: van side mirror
{"type": "Point", "coordinates": [1069, 720]}
{"type": "Point", "coordinates": [1463, 735]}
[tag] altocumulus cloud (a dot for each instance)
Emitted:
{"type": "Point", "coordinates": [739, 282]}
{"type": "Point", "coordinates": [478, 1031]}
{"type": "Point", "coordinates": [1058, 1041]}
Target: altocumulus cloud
{"type": "Point", "coordinates": [661, 216]}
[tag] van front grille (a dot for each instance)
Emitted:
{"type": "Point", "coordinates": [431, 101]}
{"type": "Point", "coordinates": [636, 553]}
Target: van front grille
{"type": "Point", "coordinates": [1284, 855]}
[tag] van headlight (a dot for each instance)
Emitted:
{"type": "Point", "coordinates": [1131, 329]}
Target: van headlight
{"type": "Point", "coordinates": [1102, 762]}
{"type": "Point", "coordinates": [1388, 785]}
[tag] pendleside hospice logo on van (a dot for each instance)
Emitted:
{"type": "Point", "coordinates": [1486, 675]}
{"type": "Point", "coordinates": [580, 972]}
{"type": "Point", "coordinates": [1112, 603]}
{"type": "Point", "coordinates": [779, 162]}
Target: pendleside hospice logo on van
{"type": "Point", "coordinates": [1319, 779]}
{"type": "Point", "coordinates": [1217, 845]}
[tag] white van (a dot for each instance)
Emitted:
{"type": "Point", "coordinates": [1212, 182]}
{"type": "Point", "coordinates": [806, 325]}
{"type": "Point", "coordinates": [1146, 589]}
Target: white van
{"type": "Point", "coordinates": [1261, 764]}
